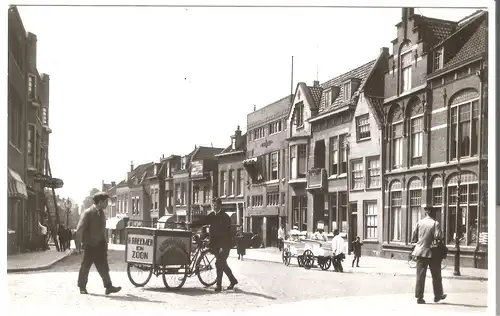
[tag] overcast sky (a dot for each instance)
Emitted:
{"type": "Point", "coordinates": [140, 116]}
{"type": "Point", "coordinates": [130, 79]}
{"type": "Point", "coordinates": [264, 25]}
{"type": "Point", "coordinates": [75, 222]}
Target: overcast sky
{"type": "Point", "coordinates": [131, 84]}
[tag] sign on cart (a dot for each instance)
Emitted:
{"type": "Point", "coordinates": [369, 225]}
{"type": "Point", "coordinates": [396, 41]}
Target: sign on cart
{"type": "Point", "coordinates": [140, 248]}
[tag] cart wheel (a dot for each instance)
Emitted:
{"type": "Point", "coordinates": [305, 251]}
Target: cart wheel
{"type": "Point", "coordinates": [308, 259]}
{"type": "Point", "coordinates": [139, 274]}
{"type": "Point", "coordinates": [324, 263]}
{"type": "Point", "coordinates": [175, 274]}
{"type": "Point", "coordinates": [300, 261]}
{"type": "Point", "coordinates": [286, 256]}
{"type": "Point", "coordinates": [205, 268]}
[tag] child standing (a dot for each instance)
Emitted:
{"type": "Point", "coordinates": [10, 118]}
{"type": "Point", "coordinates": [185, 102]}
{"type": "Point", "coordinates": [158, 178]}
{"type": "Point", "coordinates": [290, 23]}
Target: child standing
{"type": "Point", "coordinates": [240, 243]}
{"type": "Point", "coordinates": [357, 251]}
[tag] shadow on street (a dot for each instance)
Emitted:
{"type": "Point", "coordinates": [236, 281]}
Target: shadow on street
{"type": "Point", "coordinates": [207, 291]}
{"type": "Point", "coordinates": [463, 305]}
{"type": "Point", "coordinates": [127, 298]}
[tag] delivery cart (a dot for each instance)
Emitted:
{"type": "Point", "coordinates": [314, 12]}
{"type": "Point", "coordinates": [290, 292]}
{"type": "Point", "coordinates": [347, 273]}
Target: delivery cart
{"type": "Point", "coordinates": [319, 251]}
{"type": "Point", "coordinates": [292, 249]}
{"type": "Point", "coordinates": [167, 252]}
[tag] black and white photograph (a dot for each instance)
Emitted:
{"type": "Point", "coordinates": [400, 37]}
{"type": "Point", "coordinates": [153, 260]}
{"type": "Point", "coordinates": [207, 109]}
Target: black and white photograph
{"type": "Point", "coordinates": [282, 157]}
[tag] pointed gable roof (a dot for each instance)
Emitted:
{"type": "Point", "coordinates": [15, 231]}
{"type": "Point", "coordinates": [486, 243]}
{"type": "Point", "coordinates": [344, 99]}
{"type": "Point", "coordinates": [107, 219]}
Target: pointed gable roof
{"type": "Point", "coordinates": [202, 153]}
{"type": "Point", "coordinates": [360, 73]}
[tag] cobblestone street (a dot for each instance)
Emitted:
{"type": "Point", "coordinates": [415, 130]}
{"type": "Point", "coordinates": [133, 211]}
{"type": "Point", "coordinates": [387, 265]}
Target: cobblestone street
{"type": "Point", "coordinates": [262, 285]}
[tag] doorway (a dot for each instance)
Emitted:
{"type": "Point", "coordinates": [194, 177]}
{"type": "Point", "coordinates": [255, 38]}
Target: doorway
{"type": "Point", "coordinates": [272, 231]}
{"type": "Point", "coordinates": [353, 225]}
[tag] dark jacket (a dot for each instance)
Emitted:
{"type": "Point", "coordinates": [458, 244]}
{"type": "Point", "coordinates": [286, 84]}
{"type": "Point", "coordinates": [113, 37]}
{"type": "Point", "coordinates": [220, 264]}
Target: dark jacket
{"type": "Point", "coordinates": [92, 226]}
{"type": "Point", "coordinates": [356, 245]}
{"type": "Point", "coordinates": [220, 229]}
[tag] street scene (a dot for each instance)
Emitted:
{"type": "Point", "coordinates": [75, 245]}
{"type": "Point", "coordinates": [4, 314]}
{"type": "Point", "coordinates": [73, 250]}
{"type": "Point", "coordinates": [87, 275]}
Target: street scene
{"type": "Point", "coordinates": [274, 169]}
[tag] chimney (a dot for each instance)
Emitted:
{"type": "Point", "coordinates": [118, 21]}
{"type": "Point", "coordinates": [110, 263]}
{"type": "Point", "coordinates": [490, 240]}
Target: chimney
{"type": "Point", "coordinates": [315, 83]}
{"type": "Point", "coordinates": [254, 108]}
{"type": "Point", "coordinates": [237, 137]}
{"type": "Point", "coordinates": [411, 12]}
{"type": "Point", "coordinates": [131, 166]}
{"type": "Point", "coordinates": [113, 183]}
{"type": "Point", "coordinates": [384, 50]}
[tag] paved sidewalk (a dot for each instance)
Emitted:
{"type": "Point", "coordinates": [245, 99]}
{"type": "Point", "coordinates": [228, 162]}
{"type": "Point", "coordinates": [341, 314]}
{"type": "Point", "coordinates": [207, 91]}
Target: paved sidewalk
{"type": "Point", "coordinates": [368, 265]}
{"type": "Point", "coordinates": [34, 261]}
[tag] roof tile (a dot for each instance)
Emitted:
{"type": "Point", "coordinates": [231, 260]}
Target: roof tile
{"type": "Point", "coordinates": [473, 46]}
{"type": "Point", "coordinates": [361, 73]}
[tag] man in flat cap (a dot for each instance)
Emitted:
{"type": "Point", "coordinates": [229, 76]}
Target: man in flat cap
{"type": "Point", "coordinates": [92, 231]}
{"type": "Point", "coordinates": [426, 235]}
{"type": "Point", "coordinates": [220, 241]}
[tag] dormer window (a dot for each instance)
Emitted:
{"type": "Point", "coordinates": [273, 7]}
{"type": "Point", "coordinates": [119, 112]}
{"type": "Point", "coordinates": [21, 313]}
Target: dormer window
{"type": "Point", "coordinates": [155, 169]}
{"type": "Point", "coordinates": [233, 143]}
{"type": "Point", "coordinates": [347, 91]}
{"type": "Point", "coordinates": [329, 97]}
{"type": "Point", "coordinates": [438, 59]}
{"type": "Point", "coordinates": [183, 163]}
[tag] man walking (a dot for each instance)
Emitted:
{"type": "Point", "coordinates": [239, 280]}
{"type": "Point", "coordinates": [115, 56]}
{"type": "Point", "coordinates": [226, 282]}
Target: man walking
{"type": "Point", "coordinates": [220, 241]}
{"type": "Point", "coordinates": [426, 233]}
{"type": "Point", "coordinates": [92, 231]}
{"type": "Point", "coordinates": [338, 246]}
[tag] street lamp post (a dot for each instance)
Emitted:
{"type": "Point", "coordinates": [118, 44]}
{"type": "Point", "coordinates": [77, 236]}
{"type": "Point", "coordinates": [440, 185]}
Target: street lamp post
{"type": "Point", "coordinates": [456, 272]}
{"type": "Point", "coordinates": [68, 205]}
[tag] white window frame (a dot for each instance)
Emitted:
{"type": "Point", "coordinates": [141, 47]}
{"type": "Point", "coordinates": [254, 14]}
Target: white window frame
{"type": "Point", "coordinates": [437, 59]}
{"type": "Point", "coordinates": [363, 122]}
{"type": "Point", "coordinates": [374, 172]}
{"type": "Point", "coordinates": [357, 175]}
{"type": "Point", "coordinates": [275, 127]}
{"type": "Point", "coordinates": [397, 155]}
{"type": "Point", "coordinates": [31, 144]}
{"type": "Point", "coordinates": [417, 137]}
{"type": "Point", "coordinates": [274, 159]}
{"type": "Point", "coordinates": [231, 182]}
{"type": "Point", "coordinates": [406, 72]}
{"type": "Point", "coordinates": [471, 118]}
{"type": "Point", "coordinates": [347, 91]}
{"type": "Point", "coordinates": [233, 143]}
{"type": "Point", "coordinates": [32, 86]}
{"type": "Point", "coordinates": [223, 185]}
{"type": "Point", "coordinates": [371, 220]}
{"type": "Point", "coordinates": [395, 235]}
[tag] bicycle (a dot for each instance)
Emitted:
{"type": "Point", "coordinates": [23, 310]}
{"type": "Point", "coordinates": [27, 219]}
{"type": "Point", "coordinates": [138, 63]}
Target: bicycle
{"type": "Point", "coordinates": [175, 264]}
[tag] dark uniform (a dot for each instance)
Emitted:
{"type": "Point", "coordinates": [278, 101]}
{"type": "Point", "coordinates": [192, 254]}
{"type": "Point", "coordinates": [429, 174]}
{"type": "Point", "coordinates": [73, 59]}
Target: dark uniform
{"type": "Point", "coordinates": [220, 243]}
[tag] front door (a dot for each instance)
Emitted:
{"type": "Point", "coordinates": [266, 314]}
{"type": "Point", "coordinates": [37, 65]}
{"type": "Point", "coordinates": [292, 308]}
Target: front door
{"type": "Point", "coordinates": [272, 231]}
{"type": "Point", "coordinates": [353, 229]}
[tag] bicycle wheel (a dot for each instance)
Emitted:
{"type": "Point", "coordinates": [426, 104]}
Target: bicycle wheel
{"type": "Point", "coordinates": [205, 268]}
{"type": "Point", "coordinates": [444, 264]}
{"type": "Point", "coordinates": [412, 261]}
{"type": "Point", "coordinates": [139, 274]}
{"type": "Point", "coordinates": [174, 272]}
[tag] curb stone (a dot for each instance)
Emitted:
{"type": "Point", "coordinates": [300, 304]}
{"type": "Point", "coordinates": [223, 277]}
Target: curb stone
{"type": "Point", "coordinates": [464, 277]}
{"type": "Point", "coordinates": [42, 267]}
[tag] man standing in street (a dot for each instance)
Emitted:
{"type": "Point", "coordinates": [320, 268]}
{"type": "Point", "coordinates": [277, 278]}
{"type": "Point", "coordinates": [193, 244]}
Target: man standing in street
{"type": "Point", "coordinates": [92, 231]}
{"type": "Point", "coordinates": [426, 233]}
{"type": "Point", "coordinates": [220, 241]}
{"type": "Point", "coordinates": [338, 246]}
{"type": "Point", "coordinates": [281, 236]}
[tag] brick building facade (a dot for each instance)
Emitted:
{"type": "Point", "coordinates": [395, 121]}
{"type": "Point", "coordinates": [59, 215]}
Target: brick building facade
{"type": "Point", "coordinates": [232, 177]}
{"type": "Point", "coordinates": [434, 115]}
{"type": "Point", "coordinates": [166, 195]}
{"type": "Point", "coordinates": [266, 166]}
{"type": "Point", "coordinates": [28, 135]}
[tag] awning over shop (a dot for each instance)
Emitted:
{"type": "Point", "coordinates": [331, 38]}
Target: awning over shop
{"type": "Point", "coordinates": [181, 213]}
{"type": "Point", "coordinates": [16, 186]}
{"type": "Point", "coordinates": [115, 223]}
{"type": "Point", "coordinates": [165, 219]}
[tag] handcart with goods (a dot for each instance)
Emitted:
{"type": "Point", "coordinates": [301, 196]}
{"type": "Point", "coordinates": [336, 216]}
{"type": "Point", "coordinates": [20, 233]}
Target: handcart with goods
{"type": "Point", "coordinates": [293, 249]}
{"type": "Point", "coordinates": [167, 252]}
{"type": "Point", "coordinates": [319, 251]}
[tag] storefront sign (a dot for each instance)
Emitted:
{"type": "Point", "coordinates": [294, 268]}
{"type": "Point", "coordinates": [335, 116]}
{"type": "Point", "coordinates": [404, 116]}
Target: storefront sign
{"type": "Point", "coordinates": [140, 248]}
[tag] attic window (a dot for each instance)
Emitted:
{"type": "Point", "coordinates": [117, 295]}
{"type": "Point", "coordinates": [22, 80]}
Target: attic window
{"type": "Point", "coordinates": [328, 97]}
{"type": "Point", "coordinates": [347, 91]}
{"type": "Point", "coordinates": [233, 143]}
{"type": "Point", "coordinates": [438, 59]}
{"type": "Point", "coordinates": [155, 169]}
{"type": "Point", "coordinates": [183, 163]}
